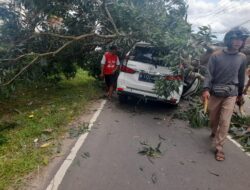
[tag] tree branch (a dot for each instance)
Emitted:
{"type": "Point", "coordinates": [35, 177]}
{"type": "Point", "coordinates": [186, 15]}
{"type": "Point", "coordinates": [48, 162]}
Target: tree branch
{"type": "Point", "coordinates": [54, 35]}
{"type": "Point", "coordinates": [53, 53]}
{"type": "Point", "coordinates": [73, 38]}
{"type": "Point", "coordinates": [20, 72]}
{"type": "Point", "coordinates": [110, 17]}
{"type": "Point", "coordinates": [19, 57]}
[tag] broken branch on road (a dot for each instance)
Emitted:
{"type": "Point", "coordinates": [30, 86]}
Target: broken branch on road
{"type": "Point", "coordinates": [149, 151]}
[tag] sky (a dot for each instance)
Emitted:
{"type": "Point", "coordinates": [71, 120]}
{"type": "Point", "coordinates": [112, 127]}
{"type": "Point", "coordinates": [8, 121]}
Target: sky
{"type": "Point", "coordinates": [221, 15]}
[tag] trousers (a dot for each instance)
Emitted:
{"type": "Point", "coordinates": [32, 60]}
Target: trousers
{"type": "Point", "coordinates": [220, 111]}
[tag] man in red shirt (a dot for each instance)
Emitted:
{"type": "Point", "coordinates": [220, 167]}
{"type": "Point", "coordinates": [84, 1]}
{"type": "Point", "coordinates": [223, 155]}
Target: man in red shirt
{"type": "Point", "coordinates": [109, 65]}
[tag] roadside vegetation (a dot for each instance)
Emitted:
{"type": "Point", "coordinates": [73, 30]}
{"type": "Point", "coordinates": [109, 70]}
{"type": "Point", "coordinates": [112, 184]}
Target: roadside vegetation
{"type": "Point", "coordinates": [34, 121]}
{"type": "Point", "coordinates": [240, 130]}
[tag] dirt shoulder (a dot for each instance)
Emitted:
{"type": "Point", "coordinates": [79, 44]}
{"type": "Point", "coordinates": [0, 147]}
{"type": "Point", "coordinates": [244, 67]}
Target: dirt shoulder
{"type": "Point", "coordinates": [40, 179]}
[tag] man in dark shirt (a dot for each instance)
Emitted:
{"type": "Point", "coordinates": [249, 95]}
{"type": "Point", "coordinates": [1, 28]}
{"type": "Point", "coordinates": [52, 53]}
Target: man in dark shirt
{"type": "Point", "coordinates": [223, 86]}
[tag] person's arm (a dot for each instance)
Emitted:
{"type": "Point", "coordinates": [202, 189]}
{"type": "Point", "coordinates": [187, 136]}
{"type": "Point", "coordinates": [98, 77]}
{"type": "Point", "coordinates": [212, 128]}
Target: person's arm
{"type": "Point", "coordinates": [208, 79]}
{"type": "Point", "coordinates": [241, 77]}
{"type": "Point", "coordinates": [103, 61]}
{"type": "Point", "coordinates": [209, 74]}
{"type": "Point", "coordinates": [117, 65]}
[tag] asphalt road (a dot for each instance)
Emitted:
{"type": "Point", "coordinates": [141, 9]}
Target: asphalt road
{"type": "Point", "coordinates": [109, 159]}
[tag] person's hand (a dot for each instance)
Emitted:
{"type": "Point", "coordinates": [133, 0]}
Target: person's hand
{"type": "Point", "coordinates": [101, 75]}
{"type": "Point", "coordinates": [205, 95]}
{"type": "Point", "coordinates": [114, 71]}
{"type": "Point", "coordinates": [239, 100]}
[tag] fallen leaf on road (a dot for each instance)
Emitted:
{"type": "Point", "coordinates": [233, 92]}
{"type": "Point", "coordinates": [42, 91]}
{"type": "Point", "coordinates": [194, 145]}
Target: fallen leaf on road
{"type": "Point", "coordinates": [182, 163]}
{"type": "Point", "coordinates": [85, 155]}
{"type": "Point", "coordinates": [161, 138]}
{"type": "Point", "coordinates": [157, 118]}
{"type": "Point", "coordinates": [154, 178]}
{"type": "Point", "coordinates": [149, 151]}
{"type": "Point", "coordinates": [213, 173]}
{"type": "Point", "coordinates": [141, 168]}
{"type": "Point", "coordinates": [31, 116]}
{"type": "Point", "coordinates": [192, 161]}
{"type": "Point", "coordinates": [45, 145]}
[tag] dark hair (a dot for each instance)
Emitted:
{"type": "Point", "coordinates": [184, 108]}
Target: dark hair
{"type": "Point", "coordinates": [113, 47]}
{"type": "Point", "coordinates": [237, 32]}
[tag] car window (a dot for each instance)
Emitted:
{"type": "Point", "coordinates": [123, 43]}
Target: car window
{"type": "Point", "coordinates": [149, 55]}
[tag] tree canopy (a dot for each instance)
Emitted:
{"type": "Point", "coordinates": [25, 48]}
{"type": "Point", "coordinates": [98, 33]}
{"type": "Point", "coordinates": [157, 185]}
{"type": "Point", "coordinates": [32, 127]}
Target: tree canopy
{"type": "Point", "coordinates": [41, 39]}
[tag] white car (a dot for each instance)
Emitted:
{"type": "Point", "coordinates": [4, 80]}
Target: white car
{"type": "Point", "coordinates": [139, 72]}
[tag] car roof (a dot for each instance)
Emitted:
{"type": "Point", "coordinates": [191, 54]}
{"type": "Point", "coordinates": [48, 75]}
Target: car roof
{"type": "Point", "coordinates": [143, 44]}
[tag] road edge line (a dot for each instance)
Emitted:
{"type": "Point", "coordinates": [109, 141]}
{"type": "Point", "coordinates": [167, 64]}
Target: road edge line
{"type": "Point", "coordinates": [237, 144]}
{"type": "Point", "coordinates": [58, 177]}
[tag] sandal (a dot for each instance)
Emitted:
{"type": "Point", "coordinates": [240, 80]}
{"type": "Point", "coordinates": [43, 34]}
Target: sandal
{"type": "Point", "coordinates": [219, 155]}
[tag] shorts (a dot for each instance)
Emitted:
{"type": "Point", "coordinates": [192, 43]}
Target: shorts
{"type": "Point", "coordinates": [110, 80]}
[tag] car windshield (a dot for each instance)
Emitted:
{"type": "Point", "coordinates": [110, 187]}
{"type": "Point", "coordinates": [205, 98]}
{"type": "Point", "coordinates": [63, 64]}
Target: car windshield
{"type": "Point", "coordinates": [149, 55]}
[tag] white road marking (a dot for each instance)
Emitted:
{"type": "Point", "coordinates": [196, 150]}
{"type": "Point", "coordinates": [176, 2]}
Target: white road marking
{"type": "Point", "coordinates": [237, 144]}
{"type": "Point", "coordinates": [57, 179]}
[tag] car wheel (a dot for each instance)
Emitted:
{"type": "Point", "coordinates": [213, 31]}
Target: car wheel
{"type": "Point", "coordinates": [123, 98]}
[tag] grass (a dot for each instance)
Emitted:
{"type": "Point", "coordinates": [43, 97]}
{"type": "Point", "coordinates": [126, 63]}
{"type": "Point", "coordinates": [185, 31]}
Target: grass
{"type": "Point", "coordinates": [35, 116]}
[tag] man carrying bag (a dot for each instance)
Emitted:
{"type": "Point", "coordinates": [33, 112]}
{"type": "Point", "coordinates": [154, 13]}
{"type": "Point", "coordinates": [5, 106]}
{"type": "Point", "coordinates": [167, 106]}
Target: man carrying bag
{"type": "Point", "coordinates": [223, 85]}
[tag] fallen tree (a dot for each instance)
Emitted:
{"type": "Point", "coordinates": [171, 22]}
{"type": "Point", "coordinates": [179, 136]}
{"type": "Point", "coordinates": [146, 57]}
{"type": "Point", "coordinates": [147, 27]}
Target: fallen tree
{"type": "Point", "coordinates": [40, 40]}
